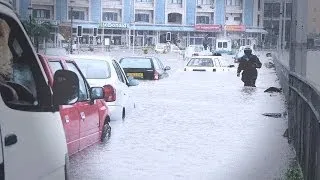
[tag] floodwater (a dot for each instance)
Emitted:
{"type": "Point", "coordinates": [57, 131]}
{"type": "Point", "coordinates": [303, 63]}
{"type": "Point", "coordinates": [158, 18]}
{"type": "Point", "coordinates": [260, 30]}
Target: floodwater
{"type": "Point", "coordinates": [194, 125]}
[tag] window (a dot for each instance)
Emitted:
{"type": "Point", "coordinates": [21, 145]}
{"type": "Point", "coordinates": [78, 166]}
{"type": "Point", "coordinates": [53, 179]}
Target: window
{"type": "Point", "coordinates": [205, 2]}
{"type": "Point", "coordinates": [94, 69]}
{"type": "Point", "coordinates": [203, 19]}
{"type": "Point", "coordinates": [237, 18]}
{"type": "Point", "coordinates": [225, 45]}
{"type": "Point", "coordinates": [144, 0]}
{"type": "Point", "coordinates": [200, 62]}
{"type": "Point", "coordinates": [135, 63]}
{"type": "Point", "coordinates": [288, 9]}
{"type": "Point", "coordinates": [142, 18]}
{"type": "Point", "coordinates": [110, 16]}
{"type": "Point", "coordinates": [55, 66]}
{"type": "Point", "coordinates": [83, 91]}
{"type": "Point", "coordinates": [20, 66]}
{"type": "Point", "coordinates": [276, 10]}
{"type": "Point", "coordinates": [259, 5]}
{"type": "Point", "coordinates": [41, 13]}
{"type": "Point", "coordinates": [234, 2]}
{"type": "Point", "coordinates": [119, 72]}
{"type": "Point", "coordinates": [219, 44]}
{"type": "Point", "coordinates": [176, 1]}
{"type": "Point", "coordinates": [268, 10]}
{"type": "Point", "coordinates": [175, 18]}
{"type": "Point", "coordinates": [77, 15]}
{"type": "Point", "coordinates": [258, 20]}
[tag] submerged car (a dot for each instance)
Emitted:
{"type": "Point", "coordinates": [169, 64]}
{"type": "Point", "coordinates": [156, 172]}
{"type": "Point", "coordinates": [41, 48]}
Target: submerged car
{"type": "Point", "coordinates": [150, 68]}
{"type": "Point", "coordinates": [107, 73]}
{"type": "Point", "coordinates": [208, 63]}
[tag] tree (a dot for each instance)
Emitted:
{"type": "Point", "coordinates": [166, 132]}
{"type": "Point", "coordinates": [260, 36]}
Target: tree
{"type": "Point", "coordinates": [37, 30]}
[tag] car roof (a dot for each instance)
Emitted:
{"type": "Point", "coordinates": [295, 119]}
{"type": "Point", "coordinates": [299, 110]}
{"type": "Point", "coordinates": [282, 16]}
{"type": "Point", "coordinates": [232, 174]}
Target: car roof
{"type": "Point", "coordinates": [140, 57]}
{"type": "Point", "coordinates": [92, 57]}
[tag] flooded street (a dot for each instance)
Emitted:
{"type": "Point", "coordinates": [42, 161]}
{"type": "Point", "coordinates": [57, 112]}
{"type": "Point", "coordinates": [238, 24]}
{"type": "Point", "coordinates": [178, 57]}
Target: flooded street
{"type": "Point", "coordinates": [194, 125]}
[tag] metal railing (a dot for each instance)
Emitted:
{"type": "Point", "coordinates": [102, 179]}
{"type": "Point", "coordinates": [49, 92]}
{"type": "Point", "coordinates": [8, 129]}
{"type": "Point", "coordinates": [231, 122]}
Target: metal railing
{"type": "Point", "coordinates": [303, 120]}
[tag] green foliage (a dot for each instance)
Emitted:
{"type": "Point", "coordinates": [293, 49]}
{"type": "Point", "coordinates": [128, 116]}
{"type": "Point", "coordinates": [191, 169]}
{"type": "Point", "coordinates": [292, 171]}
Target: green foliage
{"type": "Point", "coordinates": [35, 29]}
{"type": "Point", "coordinates": [294, 174]}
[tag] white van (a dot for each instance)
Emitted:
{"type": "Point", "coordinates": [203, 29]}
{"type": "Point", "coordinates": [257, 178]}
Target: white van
{"type": "Point", "coordinates": [33, 144]}
{"type": "Point", "coordinates": [223, 45]}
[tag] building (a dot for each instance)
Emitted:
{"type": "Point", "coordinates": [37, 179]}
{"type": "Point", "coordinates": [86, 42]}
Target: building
{"type": "Point", "coordinates": [277, 20]}
{"type": "Point", "coordinates": [147, 22]}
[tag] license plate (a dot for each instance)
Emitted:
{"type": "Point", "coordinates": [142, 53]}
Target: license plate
{"type": "Point", "coordinates": [139, 75]}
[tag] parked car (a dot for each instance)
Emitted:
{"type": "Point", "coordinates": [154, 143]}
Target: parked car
{"type": "Point", "coordinates": [208, 63]}
{"type": "Point", "coordinates": [193, 50]}
{"type": "Point", "coordinates": [144, 67]}
{"type": "Point", "coordinates": [86, 121]}
{"type": "Point", "coordinates": [160, 47]}
{"type": "Point", "coordinates": [33, 143]}
{"type": "Point", "coordinates": [106, 72]}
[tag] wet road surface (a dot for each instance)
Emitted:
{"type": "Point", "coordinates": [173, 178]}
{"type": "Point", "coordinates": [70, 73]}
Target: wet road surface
{"type": "Point", "coordinates": [193, 125]}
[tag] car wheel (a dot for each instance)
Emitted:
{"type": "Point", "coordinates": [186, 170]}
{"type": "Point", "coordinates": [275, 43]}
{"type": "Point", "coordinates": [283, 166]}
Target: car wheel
{"type": "Point", "coordinates": [106, 131]}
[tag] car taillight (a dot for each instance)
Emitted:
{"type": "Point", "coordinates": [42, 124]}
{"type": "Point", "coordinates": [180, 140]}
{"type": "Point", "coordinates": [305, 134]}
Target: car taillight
{"type": "Point", "coordinates": [156, 75]}
{"type": "Point", "coordinates": [109, 93]}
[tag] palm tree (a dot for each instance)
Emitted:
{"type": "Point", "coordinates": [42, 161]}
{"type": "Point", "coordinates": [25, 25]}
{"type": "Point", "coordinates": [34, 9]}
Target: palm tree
{"type": "Point", "coordinates": [37, 30]}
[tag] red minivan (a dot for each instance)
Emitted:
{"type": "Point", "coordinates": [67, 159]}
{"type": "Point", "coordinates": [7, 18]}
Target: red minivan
{"type": "Point", "coordinates": [85, 122]}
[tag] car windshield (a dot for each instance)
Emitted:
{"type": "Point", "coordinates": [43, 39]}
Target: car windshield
{"type": "Point", "coordinates": [94, 69]}
{"type": "Point", "coordinates": [136, 63]}
{"type": "Point", "coordinates": [200, 62]}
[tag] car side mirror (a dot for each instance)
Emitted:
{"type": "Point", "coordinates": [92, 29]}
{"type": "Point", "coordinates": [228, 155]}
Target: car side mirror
{"type": "Point", "coordinates": [167, 68]}
{"type": "Point", "coordinates": [132, 81]}
{"type": "Point", "coordinates": [65, 87]}
{"type": "Point", "coordinates": [96, 93]}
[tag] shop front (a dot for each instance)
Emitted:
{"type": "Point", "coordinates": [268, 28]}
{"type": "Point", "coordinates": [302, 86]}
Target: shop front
{"type": "Point", "coordinates": [205, 30]}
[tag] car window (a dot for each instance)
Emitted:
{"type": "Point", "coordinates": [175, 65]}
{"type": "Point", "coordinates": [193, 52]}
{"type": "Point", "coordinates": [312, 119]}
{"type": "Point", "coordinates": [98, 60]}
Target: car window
{"type": "Point", "coordinates": [19, 70]}
{"type": "Point", "coordinates": [201, 62]}
{"type": "Point", "coordinates": [121, 76]}
{"type": "Point", "coordinates": [135, 63]}
{"type": "Point", "coordinates": [118, 71]}
{"type": "Point", "coordinates": [94, 69]}
{"type": "Point", "coordinates": [55, 66]}
{"type": "Point", "coordinates": [160, 63]}
{"type": "Point", "coordinates": [83, 90]}
{"type": "Point", "coordinates": [156, 64]}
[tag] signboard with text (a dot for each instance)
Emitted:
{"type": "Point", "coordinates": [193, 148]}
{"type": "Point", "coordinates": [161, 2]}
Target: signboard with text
{"type": "Point", "coordinates": [113, 25]}
{"type": "Point", "coordinates": [208, 27]}
{"type": "Point", "coordinates": [235, 28]}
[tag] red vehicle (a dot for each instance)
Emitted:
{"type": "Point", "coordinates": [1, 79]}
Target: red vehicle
{"type": "Point", "coordinates": [86, 121]}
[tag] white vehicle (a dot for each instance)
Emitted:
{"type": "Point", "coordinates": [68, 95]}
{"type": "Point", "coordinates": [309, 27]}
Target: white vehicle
{"type": "Point", "coordinates": [33, 143]}
{"type": "Point", "coordinates": [208, 63]}
{"type": "Point", "coordinates": [106, 72]}
{"type": "Point", "coordinates": [192, 50]}
{"type": "Point", "coordinates": [160, 47]}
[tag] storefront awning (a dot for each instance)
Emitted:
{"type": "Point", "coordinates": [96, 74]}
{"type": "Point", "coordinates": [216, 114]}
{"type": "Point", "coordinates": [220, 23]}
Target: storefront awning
{"type": "Point", "coordinates": [262, 31]}
{"type": "Point", "coordinates": [162, 28]}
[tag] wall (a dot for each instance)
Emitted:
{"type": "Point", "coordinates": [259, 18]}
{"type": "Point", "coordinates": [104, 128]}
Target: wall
{"type": "Point", "coordinates": [220, 11]}
{"type": "Point", "coordinates": [127, 11]}
{"type": "Point", "coordinates": [190, 12]}
{"type": "Point", "coordinates": [160, 8]}
{"type": "Point", "coordinates": [248, 7]}
{"type": "Point", "coordinates": [95, 9]}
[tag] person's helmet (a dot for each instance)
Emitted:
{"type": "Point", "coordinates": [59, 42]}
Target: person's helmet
{"type": "Point", "coordinates": [247, 51]}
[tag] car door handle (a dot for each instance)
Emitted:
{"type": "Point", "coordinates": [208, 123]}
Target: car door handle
{"type": "Point", "coordinates": [10, 139]}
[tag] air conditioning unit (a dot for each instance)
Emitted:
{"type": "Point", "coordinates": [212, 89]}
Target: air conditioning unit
{"type": "Point", "coordinates": [199, 6]}
{"type": "Point", "coordinates": [212, 7]}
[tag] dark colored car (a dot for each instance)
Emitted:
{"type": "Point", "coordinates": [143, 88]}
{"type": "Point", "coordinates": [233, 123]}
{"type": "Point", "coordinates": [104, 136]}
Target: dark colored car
{"type": "Point", "coordinates": [144, 67]}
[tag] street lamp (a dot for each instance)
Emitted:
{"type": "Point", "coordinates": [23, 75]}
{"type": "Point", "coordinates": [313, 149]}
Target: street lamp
{"type": "Point", "coordinates": [30, 17]}
{"type": "Point", "coordinates": [71, 34]}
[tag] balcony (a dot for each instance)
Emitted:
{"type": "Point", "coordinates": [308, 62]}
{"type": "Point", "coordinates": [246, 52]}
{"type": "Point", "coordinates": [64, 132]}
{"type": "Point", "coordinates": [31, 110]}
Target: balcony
{"type": "Point", "coordinates": [205, 8]}
{"type": "Point", "coordinates": [43, 2]}
{"type": "Point", "coordinates": [79, 3]}
{"type": "Point", "coordinates": [234, 9]}
{"type": "Point", "coordinates": [115, 4]}
{"type": "Point", "coordinates": [144, 5]}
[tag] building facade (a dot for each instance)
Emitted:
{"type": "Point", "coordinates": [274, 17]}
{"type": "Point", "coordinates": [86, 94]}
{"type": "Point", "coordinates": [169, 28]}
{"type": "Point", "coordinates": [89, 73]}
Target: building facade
{"type": "Point", "coordinates": [277, 22]}
{"type": "Point", "coordinates": [147, 22]}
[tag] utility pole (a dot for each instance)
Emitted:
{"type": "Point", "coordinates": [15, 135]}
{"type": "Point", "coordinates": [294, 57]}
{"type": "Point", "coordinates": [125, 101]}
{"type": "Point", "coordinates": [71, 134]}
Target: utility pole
{"type": "Point", "coordinates": [71, 32]}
